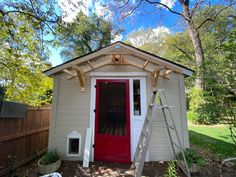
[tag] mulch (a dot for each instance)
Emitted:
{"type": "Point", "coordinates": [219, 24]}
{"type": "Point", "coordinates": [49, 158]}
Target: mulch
{"type": "Point", "coordinates": [213, 168]}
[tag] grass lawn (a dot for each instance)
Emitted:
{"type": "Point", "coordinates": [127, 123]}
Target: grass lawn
{"type": "Point", "coordinates": [214, 137]}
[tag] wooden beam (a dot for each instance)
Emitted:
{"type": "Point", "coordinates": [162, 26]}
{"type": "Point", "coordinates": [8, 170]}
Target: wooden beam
{"type": "Point", "coordinates": [154, 80]}
{"type": "Point", "coordinates": [91, 65]}
{"type": "Point", "coordinates": [68, 72]}
{"type": "Point", "coordinates": [81, 76]}
{"type": "Point", "coordinates": [100, 65]}
{"type": "Point", "coordinates": [145, 64]}
{"type": "Point", "coordinates": [167, 73]}
{"type": "Point", "coordinates": [155, 61]}
{"type": "Point", "coordinates": [155, 76]}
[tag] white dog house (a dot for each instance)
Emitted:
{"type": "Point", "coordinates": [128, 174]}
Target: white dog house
{"type": "Point", "coordinates": [108, 91]}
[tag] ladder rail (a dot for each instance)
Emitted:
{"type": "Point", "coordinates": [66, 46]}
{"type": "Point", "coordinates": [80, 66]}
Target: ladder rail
{"type": "Point", "coordinates": [141, 150]}
{"type": "Point", "coordinates": [169, 133]}
{"type": "Point", "coordinates": [180, 144]}
{"type": "Point", "coordinates": [145, 136]}
{"type": "Point", "coordinates": [177, 136]}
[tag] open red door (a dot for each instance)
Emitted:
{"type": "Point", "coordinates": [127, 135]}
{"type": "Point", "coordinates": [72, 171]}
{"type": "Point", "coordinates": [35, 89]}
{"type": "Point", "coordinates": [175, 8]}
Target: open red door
{"type": "Point", "coordinates": [112, 122]}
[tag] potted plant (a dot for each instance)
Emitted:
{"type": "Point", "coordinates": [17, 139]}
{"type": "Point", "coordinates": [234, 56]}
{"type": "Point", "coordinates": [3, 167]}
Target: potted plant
{"type": "Point", "coordinates": [50, 162]}
{"type": "Point", "coordinates": [194, 160]}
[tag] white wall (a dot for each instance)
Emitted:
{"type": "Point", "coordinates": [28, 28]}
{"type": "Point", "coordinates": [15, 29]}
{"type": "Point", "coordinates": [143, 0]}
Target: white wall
{"type": "Point", "coordinates": [71, 111]}
{"type": "Point", "coordinates": [160, 148]}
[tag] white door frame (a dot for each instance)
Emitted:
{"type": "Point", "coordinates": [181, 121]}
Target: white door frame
{"type": "Point", "coordinates": [136, 122]}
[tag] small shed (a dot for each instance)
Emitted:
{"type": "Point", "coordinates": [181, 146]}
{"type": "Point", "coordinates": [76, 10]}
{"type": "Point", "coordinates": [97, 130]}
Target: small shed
{"type": "Point", "coordinates": [108, 91]}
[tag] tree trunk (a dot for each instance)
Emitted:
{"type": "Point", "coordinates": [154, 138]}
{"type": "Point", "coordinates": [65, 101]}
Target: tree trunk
{"type": "Point", "coordinates": [197, 44]}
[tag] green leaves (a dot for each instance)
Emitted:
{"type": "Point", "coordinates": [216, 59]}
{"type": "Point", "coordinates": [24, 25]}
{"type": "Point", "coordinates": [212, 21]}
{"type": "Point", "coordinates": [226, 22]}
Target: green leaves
{"type": "Point", "coordinates": [23, 54]}
{"type": "Point", "coordinates": [84, 35]}
{"type": "Point", "coordinates": [193, 157]}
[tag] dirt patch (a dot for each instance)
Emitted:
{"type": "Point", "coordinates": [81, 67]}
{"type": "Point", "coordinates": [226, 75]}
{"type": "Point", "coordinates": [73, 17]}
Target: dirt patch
{"type": "Point", "coordinates": [99, 169]}
{"type": "Point", "coordinates": [96, 169]}
{"type": "Point", "coordinates": [213, 168]}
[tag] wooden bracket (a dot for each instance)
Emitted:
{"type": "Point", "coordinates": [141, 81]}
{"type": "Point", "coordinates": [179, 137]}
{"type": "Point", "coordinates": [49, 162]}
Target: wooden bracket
{"type": "Point", "coordinates": [166, 73]}
{"type": "Point", "coordinates": [81, 76]}
{"type": "Point", "coordinates": [155, 76]}
{"type": "Point", "coordinates": [68, 72]}
{"type": "Point", "coordinates": [91, 65]}
{"type": "Point", "coordinates": [145, 64]}
{"type": "Point", "coordinates": [117, 59]}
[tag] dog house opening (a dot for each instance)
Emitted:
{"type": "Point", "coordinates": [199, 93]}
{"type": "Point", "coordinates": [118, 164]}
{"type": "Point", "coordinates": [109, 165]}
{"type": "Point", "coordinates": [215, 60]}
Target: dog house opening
{"type": "Point", "coordinates": [73, 144]}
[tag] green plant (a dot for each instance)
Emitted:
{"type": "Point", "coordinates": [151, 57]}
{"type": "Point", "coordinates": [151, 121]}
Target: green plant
{"type": "Point", "coordinates": [50, 157]}
{"type": "Point", "coordinates": [171, 170]}
{"type": "Point", "coordinates": [205, 107]}
{"type": "Point", "coordinates": [193, 157]}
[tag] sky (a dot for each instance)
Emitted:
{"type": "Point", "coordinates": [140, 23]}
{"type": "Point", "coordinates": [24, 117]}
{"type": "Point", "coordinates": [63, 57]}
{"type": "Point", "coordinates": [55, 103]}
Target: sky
{"type": "Point", "coordinates": [144, 17]}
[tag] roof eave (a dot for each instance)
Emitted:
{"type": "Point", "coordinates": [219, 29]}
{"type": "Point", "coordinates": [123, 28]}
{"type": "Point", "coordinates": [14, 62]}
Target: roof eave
{"type": "Point", "coordinates": [52, 71]}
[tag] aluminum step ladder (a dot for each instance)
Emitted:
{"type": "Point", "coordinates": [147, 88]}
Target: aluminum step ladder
{"type": "Point", "coordinates": [159, 99]}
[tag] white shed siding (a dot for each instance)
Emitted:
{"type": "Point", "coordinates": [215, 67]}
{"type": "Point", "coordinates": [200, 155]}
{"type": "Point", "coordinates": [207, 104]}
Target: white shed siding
{"type": "Point", "coordinates": [53, 113]}
{"type": "Point", "coordinates": [71, 109]}
{"type": "Point", "coordinates": [160, 148]}
{"type": "Point", "coordinates": [72, 112]}
{"type": "Point", "coordinates": [183, 111]}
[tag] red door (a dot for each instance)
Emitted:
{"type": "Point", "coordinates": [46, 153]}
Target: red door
{"type": "Point", "coordinates": [112, 121]}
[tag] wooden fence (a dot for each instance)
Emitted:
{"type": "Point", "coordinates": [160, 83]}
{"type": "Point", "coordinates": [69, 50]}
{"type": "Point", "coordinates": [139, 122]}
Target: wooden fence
{"type": "Point", "coordinates": [22, 139]}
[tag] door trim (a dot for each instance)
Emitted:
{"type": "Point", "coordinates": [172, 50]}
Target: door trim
{"type": "Point", "coordinates": [93, 102]}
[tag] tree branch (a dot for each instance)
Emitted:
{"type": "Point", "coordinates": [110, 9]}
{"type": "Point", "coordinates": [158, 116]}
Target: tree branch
{"type": "Point", "coordinates": [32, 5]}
{"type": "Point", "coordinates": [168, 8]}
{"type": "Point", "coordinates": [129, 13]}
{"type": "Point", "coordinates": [181, 50]}
{"type": "Point", "coordinates": [120, 7]}
{"type": "Point", "coordinates": [196, 7]}
{"type": "Point", "coordinates": [214, 18]}
{"type": "Point", "coordinates": [28, 14]}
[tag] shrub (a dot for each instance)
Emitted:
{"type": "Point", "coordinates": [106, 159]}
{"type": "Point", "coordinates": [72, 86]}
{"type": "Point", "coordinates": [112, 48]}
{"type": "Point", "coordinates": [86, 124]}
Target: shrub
{"type": "Point", "coordinates": [193, 157]}
{"type": "Point", "coordinates": [204, 107]}
{"type": "Point", "coordinates": [191, 115]}
{"type": "Point", "coordinates": [50, 157]}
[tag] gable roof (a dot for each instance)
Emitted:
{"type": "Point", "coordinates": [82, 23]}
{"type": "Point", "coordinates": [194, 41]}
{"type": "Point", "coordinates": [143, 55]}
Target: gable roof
{"type": "Point", "coordinates": [117, 46]}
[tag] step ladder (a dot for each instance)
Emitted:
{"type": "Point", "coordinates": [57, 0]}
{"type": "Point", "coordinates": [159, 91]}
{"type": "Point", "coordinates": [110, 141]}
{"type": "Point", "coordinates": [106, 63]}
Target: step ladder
{"type": "Point", "coordinates": [158, 98]}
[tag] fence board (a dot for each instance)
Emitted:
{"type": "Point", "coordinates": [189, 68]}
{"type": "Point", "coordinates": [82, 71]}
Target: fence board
{"type": "Point", "coordinates": [23, 138]}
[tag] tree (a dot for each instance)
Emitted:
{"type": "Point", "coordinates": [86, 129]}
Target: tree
{"type": "Point", "coordinates": [24, 27]}
{"type": "Point", "coordinates": [84, 35]}
{"type": "Point", "coordinates": [214, 104]}
{"type": "Point", "coordinates": [226, 76]}
{"type": "Point", "coordinates": [187, 14]}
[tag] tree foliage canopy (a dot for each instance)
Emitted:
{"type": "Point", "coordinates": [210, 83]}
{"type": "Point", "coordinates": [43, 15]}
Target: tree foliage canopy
{"type": "Point", "coordinates": [23, 53]}
{"type": "Point", "coordinates": [83, 35]}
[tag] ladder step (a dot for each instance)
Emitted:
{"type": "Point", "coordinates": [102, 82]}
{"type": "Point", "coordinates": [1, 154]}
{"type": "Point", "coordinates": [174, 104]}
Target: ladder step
{"type": "Point", "coordinates": [177, 145]}
{"type": "Point", "coordinates": [145, 133]}
{"type": "Point", "coordinates": [159, 99]}
{"type": "Point", "coordinates": [166, 106]}
{"type": "Point", "coordinates": [163, 106]}
{"type": "Point", "coordinates": [171, 127]}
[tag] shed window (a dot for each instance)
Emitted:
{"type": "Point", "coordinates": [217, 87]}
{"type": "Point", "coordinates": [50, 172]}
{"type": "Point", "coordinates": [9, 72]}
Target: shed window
{"type": "Point", "coordinates": [136, 96]}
